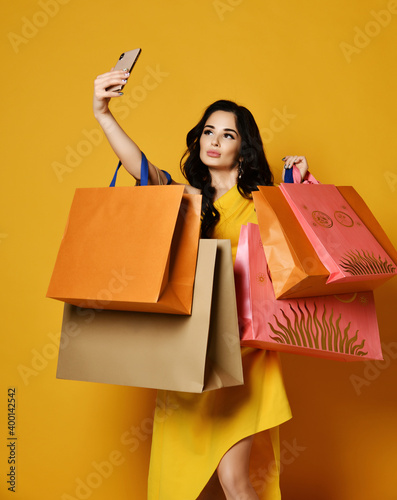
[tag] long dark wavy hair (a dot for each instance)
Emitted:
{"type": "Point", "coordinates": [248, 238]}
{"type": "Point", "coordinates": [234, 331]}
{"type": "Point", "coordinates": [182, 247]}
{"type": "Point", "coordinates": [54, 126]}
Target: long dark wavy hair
{"type": "Point", "coordinates": [254, 171]}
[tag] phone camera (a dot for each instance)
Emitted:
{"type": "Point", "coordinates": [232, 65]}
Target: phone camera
{"type": "Point", "coordinates": [121, 57]}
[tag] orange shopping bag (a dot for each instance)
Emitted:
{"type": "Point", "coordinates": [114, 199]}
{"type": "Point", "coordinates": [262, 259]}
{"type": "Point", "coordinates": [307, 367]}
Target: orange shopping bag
{"type": "Point", "coordinates": [295, 268]}
{"type": "Point", "coordinates": [129, 248]}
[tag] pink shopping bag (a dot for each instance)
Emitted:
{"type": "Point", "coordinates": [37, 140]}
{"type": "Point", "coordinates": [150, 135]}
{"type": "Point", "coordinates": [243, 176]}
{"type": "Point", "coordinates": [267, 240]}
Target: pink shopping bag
{"type": "Point", "coordinates": [342, 327]}
{"type": "Point", "coordinates": [344, 244]}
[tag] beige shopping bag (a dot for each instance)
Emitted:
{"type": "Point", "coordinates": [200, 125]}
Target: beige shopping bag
{"type": "Point", "coordinates": [184, 353]}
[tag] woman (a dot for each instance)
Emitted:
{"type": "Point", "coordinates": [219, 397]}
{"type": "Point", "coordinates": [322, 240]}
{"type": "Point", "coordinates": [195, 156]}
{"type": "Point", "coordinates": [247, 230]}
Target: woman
{"type": "Point", "coordinates": [195, 435]}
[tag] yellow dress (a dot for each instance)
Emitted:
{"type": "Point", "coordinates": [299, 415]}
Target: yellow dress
{"type": "Point", "coordinates": [192, 432]}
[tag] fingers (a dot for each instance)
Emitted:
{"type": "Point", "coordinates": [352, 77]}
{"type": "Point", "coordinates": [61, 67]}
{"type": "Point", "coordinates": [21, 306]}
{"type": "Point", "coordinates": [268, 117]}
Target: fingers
{"type": "Point", "coordinates": [299, 161]}
{"type": "Point", "coordinates": [290, 161]}
{"type": "Point", "coordinates": [108, 80]}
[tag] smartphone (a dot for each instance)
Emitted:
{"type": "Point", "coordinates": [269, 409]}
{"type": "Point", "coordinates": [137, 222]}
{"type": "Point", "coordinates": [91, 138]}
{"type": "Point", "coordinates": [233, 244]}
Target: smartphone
{"type": "Point", "coordinates": [126, 60]}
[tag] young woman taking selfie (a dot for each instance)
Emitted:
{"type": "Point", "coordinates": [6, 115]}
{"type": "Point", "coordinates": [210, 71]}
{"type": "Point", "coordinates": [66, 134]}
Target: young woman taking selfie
{"type": "Point", "coordinates": [229, 434]}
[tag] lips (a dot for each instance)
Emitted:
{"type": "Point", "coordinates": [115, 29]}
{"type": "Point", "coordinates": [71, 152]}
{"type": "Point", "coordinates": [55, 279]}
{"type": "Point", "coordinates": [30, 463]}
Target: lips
{"type": "Point", "coordinates": [213, 154]}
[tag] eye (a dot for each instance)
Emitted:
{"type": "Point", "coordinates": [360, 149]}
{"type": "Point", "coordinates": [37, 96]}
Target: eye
{"type": "Point", "coordinates": [207, 131]}
{"type": "Point", "coordinates": [228, 136]}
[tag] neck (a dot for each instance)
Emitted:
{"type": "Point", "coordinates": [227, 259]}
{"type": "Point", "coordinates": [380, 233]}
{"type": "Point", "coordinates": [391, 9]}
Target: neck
{"type": "Point", "coordinates": [223, 180]}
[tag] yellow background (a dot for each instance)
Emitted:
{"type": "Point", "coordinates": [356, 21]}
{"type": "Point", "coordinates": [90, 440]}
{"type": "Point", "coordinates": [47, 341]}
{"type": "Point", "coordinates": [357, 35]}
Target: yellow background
{"type": "Point", "coordinates": [274, 56]}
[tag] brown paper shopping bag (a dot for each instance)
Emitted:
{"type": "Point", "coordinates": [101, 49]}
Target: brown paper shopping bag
{"type": "Point", "coordinates": [183, 353]}
{"type": "Point", "coordinates": [129, 248]}
{"type": "Point", "coordinates": [296, 268]}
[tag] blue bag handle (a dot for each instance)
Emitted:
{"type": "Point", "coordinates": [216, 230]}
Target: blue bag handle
{"type": "Point", "coordinates": [288, 176]}
{"type": "Point", "coordinates": [144, 173]}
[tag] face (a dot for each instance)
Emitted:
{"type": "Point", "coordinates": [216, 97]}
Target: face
{"type": "Point", "coordinates": [220, 141]}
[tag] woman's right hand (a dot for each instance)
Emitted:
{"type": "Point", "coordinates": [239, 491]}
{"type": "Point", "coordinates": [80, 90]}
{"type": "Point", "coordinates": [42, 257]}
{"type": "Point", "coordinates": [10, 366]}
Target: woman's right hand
{"type": "Point", "coordinates": [103, 96]}
{"type": "Point", "coordinates": [125, 148]}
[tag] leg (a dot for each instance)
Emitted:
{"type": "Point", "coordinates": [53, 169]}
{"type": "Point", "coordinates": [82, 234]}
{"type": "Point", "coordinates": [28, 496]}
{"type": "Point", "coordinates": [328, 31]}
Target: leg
{"type": "Point", "coordinates": [233, 472]}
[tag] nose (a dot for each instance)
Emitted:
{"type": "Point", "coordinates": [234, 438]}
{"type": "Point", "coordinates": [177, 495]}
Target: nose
{"type": "Point", "coordinates": [214, 140]}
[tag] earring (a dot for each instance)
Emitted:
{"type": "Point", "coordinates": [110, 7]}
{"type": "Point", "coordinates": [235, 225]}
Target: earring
{"type": "Point", "coordinates": [240, 169]}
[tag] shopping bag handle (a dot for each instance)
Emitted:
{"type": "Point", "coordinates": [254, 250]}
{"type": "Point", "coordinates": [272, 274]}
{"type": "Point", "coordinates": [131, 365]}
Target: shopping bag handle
{"type": "Point", "coordinates": [288, 176]}
{"type": "Point", "coordinates": [292, 175]}
{"type": "Point", "coordinates": [144, 173]}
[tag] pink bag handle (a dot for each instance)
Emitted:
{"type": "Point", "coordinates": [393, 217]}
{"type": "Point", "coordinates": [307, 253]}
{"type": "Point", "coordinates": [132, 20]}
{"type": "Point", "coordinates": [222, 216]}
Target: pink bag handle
{"type": "Point", "coordinates": [293, 176]}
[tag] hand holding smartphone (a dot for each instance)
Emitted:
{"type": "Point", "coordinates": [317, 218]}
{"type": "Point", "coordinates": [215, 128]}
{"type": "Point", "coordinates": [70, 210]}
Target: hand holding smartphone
{"type": "Point", "coordinates": [126, 61]}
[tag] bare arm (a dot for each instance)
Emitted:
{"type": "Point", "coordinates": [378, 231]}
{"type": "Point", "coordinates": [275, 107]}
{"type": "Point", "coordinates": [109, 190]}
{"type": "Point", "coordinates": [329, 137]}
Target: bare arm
{"type": "Point", "coordinates": [124, 147]}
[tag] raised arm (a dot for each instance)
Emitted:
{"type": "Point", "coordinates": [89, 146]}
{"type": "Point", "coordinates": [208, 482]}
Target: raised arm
{"type": "Point", "coordinates": [124, 147]}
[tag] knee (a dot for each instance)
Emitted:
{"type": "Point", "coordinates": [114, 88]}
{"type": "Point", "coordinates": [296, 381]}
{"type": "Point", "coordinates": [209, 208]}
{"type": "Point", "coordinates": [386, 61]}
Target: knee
{"type": "Point", "coordinates": [234, 483]}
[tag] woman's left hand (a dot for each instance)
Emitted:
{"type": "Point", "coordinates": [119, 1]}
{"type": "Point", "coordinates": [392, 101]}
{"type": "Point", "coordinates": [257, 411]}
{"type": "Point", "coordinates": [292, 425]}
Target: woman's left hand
{"type": "Point", "coordinates": [299, 161]}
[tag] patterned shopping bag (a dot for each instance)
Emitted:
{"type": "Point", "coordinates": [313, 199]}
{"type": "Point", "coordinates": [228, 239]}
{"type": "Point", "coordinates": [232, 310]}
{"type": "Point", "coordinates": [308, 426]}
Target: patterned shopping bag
{"type": "Point", "coordinates": [342, 327]}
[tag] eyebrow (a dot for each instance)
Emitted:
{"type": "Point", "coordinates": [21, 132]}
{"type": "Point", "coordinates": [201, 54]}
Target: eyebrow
{"type": "Point", "coordinates": [225, 129]}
